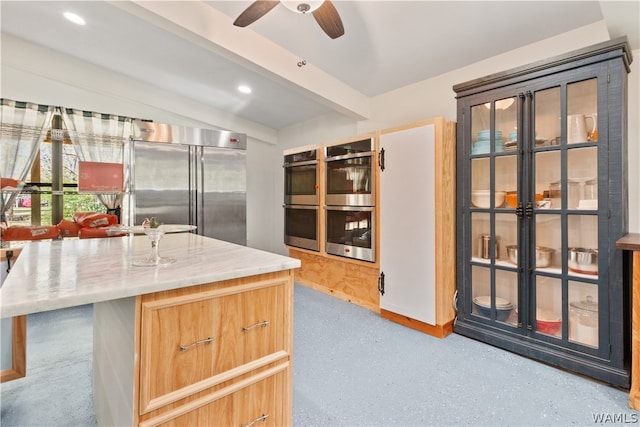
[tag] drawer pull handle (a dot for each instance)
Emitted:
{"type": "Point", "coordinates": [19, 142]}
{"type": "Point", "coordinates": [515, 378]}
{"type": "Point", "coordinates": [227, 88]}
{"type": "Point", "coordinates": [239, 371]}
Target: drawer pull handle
{"type": "Point", "coordinates": [248, 328]}
{"type": "Point", "coordinates": [187, 347]}
{"type": "Point", "coordinates": [263, 417]}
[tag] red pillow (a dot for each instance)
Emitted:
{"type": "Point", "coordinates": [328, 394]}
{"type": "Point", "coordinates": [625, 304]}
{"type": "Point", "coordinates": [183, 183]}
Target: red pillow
{"type": "Point", "coordinates": [69, 228]}
{"type": "Point", "coordinates": [17, 232]}
{"type": "Point", "coordinates": [94, 219]}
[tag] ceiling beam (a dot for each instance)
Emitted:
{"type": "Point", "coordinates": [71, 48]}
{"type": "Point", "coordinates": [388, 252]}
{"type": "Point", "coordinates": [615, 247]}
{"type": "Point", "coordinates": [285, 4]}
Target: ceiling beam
{"type": "Point", "coordinates": [211, 29]}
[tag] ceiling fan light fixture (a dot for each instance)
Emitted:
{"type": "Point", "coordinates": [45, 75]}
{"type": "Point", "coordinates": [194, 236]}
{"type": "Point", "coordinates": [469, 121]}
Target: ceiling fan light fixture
{"type": "Point", "coordinates": [302, 6]}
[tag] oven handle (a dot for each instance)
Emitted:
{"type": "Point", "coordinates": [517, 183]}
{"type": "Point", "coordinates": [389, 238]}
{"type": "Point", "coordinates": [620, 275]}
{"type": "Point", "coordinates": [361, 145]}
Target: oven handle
{"type": "Point", "coordinates": [305, 163]}
{"type": "Point", "coordinates": [310, 207]}
{"type": "Point", "coordinates": [350, 208]}
{"type": "Point", "coordinates": [349, 156]}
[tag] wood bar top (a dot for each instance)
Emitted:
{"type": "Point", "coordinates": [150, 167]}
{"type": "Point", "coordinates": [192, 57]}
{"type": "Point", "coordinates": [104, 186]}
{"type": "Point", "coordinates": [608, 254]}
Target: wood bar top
{"type": "Point", "coordinates": [629, 242]}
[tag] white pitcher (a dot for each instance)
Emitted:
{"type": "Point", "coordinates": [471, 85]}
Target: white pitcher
{"type": "Point", "coordinates": [577, 128]}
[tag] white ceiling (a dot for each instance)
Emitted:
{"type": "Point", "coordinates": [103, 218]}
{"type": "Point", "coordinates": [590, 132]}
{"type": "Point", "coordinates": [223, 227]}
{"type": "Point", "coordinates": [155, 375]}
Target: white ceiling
{"type": "Point", "coordinates": [192, 48]}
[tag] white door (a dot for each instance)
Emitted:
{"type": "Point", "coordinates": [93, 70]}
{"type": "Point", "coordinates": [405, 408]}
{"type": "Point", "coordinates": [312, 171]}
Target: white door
{"type": "Point", "coordinates": [407, 223]}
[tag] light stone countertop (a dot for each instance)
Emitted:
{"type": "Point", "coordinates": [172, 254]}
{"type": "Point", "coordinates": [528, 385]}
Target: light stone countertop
{"type": "Point", "coordinates": [56, 274]}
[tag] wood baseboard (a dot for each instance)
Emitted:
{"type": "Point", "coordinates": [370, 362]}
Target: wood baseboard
{"type": "Point", "coordinates": [438, 331]}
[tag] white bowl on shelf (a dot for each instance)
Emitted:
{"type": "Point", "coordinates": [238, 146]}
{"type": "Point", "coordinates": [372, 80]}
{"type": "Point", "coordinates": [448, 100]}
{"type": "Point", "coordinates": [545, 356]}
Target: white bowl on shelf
{"type": "Point", "coordinates": [482, 198]}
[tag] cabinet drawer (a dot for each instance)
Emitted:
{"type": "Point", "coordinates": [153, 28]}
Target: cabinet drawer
{"type": "Point", "coordinates": [188, 342]}
{"type": "Point", "coordinates": [258, 401]}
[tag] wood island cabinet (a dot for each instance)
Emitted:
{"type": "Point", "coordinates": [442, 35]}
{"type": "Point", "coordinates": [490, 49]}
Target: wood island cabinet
{"type": "Point", "coordinates": [215, 354]}
{"type": "Point", "coordinates": [541, 202]}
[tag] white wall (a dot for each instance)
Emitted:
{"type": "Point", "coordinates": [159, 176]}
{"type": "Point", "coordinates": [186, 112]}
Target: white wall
{"type": "Point", "coordinates": [30, 73]}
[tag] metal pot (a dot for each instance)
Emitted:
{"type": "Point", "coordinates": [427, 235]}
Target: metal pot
{"type": "Point", "coordinates": [583, 260]}
{"type": "Point", "coordinates": [543, 255]}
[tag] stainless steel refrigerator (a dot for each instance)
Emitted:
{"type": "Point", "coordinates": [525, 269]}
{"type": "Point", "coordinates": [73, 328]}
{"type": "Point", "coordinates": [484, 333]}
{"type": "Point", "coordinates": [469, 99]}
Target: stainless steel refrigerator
{"type": "Point", "coordinates": [183, 175]}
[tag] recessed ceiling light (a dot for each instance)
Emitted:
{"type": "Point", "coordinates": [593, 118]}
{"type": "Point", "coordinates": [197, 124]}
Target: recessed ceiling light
{"type": "Point", "coordinates": [244, 89]}
{"type": "Point", "coordinates": [75, 18]}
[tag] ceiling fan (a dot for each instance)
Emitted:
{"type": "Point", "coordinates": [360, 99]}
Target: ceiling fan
{"type": "Point", "coordinates": [324, 11]}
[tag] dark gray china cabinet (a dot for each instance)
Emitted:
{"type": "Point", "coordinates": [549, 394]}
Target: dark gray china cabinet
{"type": "Point", "coordinates": [541, 201]}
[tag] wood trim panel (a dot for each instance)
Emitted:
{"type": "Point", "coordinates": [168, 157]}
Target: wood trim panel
{"type": "Point", "coordinates": [445, 192]}
{"type": "Point", "coordinates": [18, 350]}
{"type": "Point", "coordinates": [438, 331]}
{"type": "Point", "coordinates": [349, 281]}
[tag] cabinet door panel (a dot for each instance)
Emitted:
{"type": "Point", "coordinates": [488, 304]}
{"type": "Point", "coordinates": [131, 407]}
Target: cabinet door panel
{"type": "Point", "coordinates": [258, 402]}
{"type": "Point", "coordinates": [189, 339]}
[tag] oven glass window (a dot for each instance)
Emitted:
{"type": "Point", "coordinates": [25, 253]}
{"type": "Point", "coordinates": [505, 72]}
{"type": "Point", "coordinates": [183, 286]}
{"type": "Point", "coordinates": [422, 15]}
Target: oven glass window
{"type": "Point", "coordinates": [351, 228]}
{"type": "Point", "coordinates": [301, 223]}
{"type": "Point", "coordinates": [301, 180]}
{"type": "Point", "coordinates": [349, 176]}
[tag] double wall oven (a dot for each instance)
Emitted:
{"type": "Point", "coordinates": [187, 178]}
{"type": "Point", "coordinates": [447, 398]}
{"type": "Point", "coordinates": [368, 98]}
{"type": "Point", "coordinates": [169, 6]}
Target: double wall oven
{"type": "Point", "coordinates": [301, 198]}
{"type": "Point", "coordinates": [350, 200]}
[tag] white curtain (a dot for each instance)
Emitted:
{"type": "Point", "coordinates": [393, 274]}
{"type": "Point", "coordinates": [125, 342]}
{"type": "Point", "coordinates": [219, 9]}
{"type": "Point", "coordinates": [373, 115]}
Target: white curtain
{"type": "Point", "coordinates": [99, 138]}
{"type": "Point", "coordinates": [22, 126]}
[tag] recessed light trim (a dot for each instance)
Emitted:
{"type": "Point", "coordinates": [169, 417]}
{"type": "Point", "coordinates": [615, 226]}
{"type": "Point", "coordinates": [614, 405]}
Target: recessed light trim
{"type": "Point", "coordinates": [75, 18]}
{"type": "Point", "coordinates": [244, 89]}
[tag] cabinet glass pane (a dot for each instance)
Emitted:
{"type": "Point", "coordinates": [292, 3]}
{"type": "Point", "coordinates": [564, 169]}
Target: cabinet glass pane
{"type": "Point", "coordinates": [506, 124]}
{"type": "Point", "coordinates": [507, 181]}
{"type": "Point", "coordinates": [582, 178]}
{"type": "Point", "coordinates": [548, 244]}
{"type": "Point", "coordinates": [482, 240]}
{"type": "Point", "coordinates": [507, 296]}
{"type": "Point", "coordinates": [548, 306]}
{"type": "Point", "coordinates": [481, 196]}
{"type": "Point", "coordinates": [481, 291]}
{"type": "Point", "coordinates": [480, 128]}
{"type": "Point", "coordinates": [547, 116]}
{"type": "Point", "coordinates": [547, 179]}
{"type": "Point", "coordinates": [582, 108]}
{"type": "Point", "coordinates": [582, 254]}
{"type": "Point", "coordinates": [507, 238]}
{"type": "Point", "coordinates": [583, 313]}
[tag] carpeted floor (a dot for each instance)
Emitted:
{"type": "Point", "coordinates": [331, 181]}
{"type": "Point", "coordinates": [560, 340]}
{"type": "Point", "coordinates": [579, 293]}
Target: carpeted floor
{"type": "Point", "coordinates": [351, 368]}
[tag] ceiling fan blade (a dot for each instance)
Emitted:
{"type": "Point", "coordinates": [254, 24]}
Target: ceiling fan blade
{"type": "Point", "coordinates": [254, 12]}
{"type": "Point", "coordinates": [329, 20]}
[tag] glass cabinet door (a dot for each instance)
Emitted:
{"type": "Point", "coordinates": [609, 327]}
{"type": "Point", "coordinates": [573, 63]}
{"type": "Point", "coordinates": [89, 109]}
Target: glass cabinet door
{"type": "Point", "coordinates": [493, 201]}
{"type": "Point", "coordinates": [564, 251]}
{"type": "Point", "coordinates": [533, 199]}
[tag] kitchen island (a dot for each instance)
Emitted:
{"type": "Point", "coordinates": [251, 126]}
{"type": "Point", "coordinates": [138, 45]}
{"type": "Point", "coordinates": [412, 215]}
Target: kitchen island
{"type": "Point", "coordinates": [206, 340]}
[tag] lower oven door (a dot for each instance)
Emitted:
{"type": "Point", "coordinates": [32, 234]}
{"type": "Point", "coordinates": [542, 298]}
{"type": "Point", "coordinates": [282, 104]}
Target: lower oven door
{"type": "Point", "coordinates": [301, 226]}
{"type": "Point", "coordinates": [350, 232]}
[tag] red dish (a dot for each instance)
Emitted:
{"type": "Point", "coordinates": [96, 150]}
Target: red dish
{"type": "Point", "coordinates": [549, 327]}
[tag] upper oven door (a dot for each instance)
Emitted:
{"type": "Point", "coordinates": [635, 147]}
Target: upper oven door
{"type": "Point", "coordinates": [349, 174]}
{"type": "Point", "coordinates": [301, 179]}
